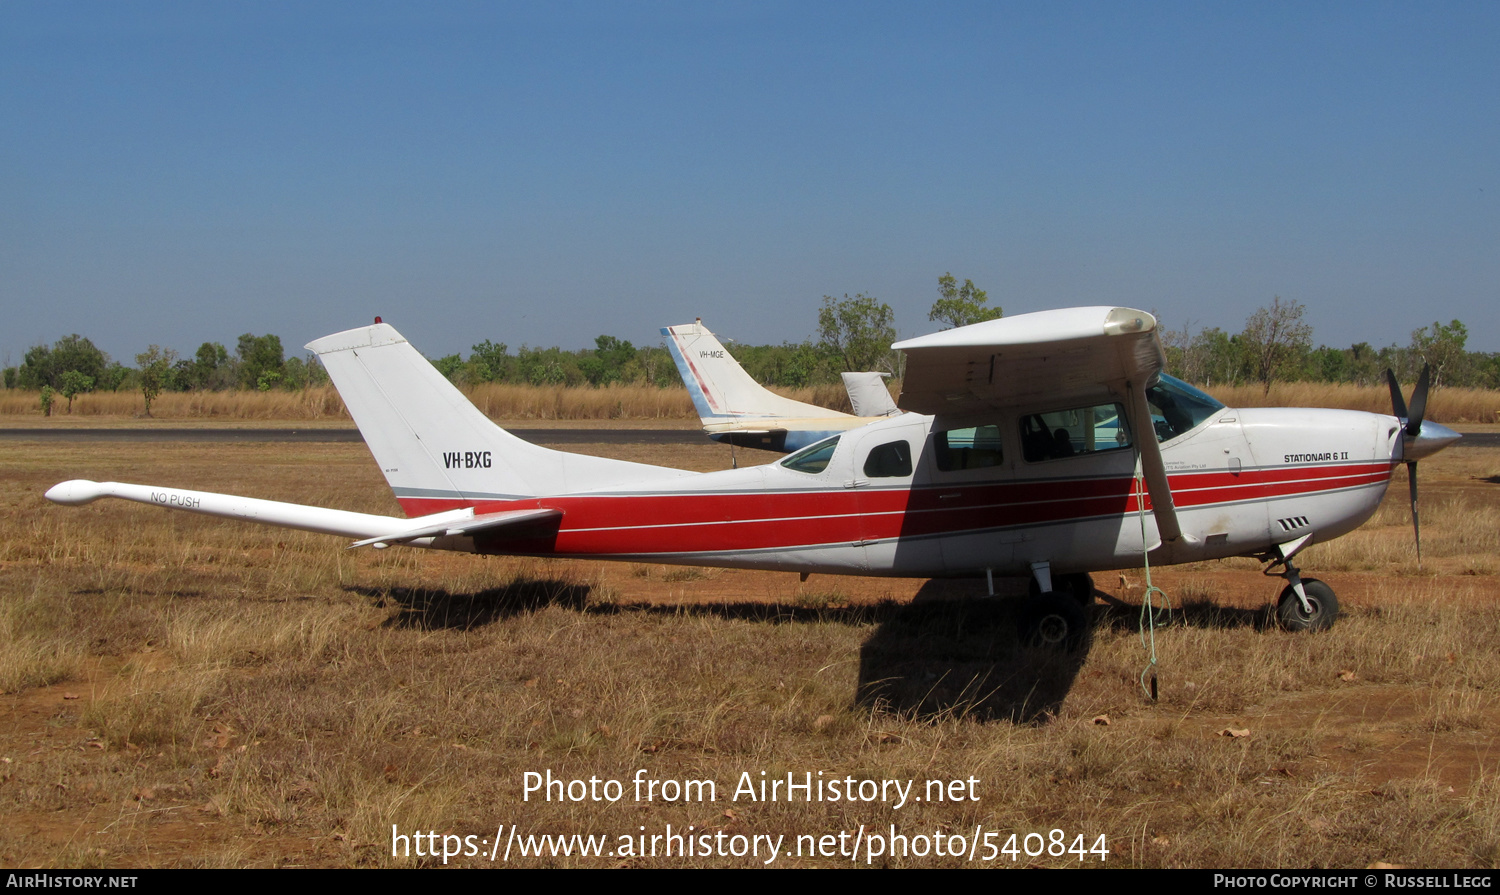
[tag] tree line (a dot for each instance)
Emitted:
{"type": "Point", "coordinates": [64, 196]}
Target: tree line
{"type": "Point", "coordinates": [854, 333]}
{"type": "Point", "coordinates": [1276, 346]}
{"type": "Point", "coordinates": [73, 365]}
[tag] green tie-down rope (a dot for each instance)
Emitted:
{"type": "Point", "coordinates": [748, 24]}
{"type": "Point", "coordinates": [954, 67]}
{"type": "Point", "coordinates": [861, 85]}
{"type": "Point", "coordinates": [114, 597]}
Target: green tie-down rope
{"type": "Point", "coordinates": [1149, 611]}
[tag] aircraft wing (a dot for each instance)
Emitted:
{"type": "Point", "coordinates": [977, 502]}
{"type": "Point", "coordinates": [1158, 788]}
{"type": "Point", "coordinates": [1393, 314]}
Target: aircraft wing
{"type": "Point", "coordinates": [1072, 356]}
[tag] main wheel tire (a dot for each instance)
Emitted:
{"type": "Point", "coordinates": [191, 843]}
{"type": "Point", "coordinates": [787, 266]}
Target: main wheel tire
{"type": "Point", "coordinates": [1054, 621]}
{"type": "Point", "coordinates": [1081, 586]}
{"type": "Point", "coordinates": [1325, 607]}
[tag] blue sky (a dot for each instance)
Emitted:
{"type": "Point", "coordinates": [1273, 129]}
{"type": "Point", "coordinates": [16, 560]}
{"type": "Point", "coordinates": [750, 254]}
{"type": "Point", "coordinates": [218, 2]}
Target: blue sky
{"type": "Point", "coordinates": [542, 173]}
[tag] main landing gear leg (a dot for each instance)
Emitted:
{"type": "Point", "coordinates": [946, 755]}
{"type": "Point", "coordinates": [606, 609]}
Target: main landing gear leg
{"type": "Point", "coordinates": [1052, 619]}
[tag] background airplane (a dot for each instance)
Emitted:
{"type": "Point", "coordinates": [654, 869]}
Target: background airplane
{"type": "Point", "coordinates": [1015, 462]}
{"type": "Point", "coordinates": [735, 409]}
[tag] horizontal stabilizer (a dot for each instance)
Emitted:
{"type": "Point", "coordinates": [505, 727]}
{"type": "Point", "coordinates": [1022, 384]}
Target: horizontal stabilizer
{"type": "Point", "coordinates": [230, 506]}
{"type": "Point", "coordinates": [369, 528]}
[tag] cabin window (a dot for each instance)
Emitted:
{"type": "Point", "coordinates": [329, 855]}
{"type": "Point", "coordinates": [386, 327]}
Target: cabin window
{"type": "Point", "coordinates": [813, 459]}
{"type": "Point", "coordinates": [1074, 432]}
{"type": "Point", "coordinates": [976, 447]}
{"type": "Point", "coordinates": [889, 461]}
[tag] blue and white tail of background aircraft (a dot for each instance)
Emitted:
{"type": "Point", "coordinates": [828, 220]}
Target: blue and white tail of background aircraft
{"type": "Point", "coordinates": [735, 409]}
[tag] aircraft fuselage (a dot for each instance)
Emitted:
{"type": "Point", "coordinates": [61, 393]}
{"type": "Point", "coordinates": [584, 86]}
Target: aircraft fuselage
{"type": "Point", "coordinates": [1243, 481]}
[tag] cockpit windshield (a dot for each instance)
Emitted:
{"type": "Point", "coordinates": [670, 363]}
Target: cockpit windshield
{"type": "Point", "coordinates": [1177, 407]}
{"type": "Point", "coordinates": [814, 458]}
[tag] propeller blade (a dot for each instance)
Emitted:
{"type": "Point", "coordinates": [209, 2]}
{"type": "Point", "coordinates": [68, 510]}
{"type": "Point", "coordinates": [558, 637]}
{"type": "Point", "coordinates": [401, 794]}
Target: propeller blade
{"type": "Point", "coordinates": [1411, 446]}
{"type": "Point", "coordinates": [1398, 403]}
{"type": "Point", "coordinates": [1416, 525]}
{"type": "Point", "coordinates": [1419, 403]}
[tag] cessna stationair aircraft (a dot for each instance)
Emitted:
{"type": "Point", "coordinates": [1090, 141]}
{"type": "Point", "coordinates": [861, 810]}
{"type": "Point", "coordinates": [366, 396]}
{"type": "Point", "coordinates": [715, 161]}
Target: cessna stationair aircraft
{"type": "Point", "coordinates": [1046, 445]}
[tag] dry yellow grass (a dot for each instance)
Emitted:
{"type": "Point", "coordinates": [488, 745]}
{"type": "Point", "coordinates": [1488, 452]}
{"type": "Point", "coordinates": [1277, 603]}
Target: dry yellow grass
{"type": "Point", "coordinates": [636, 402]}
{"type": "Point", "coordinates": [1444, 405]}
{"type": "Point", "coordinates": [527, 402]}
{"type": "Point", "coordinates": [308, 404]}
{"type": "Point", "coordinates": [498, 401]}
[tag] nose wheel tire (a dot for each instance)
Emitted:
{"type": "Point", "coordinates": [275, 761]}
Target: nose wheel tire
{"type": "Point", "coordinates": [1294, 617]}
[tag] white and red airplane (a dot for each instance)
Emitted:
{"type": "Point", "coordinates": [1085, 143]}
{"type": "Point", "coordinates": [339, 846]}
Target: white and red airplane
{"type": "Point", "coordinates": [1046, 445]}
{"type": "Point", "coordinates": [735, 409]}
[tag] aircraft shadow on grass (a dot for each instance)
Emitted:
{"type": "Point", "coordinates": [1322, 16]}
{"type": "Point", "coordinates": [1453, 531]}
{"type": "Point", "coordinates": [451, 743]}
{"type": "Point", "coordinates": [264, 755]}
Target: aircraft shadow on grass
{"type": "Point", "coordinates": [1125, 618]}
{"type": "Point", "coordinates": [948, 653]}
{"type": "Point", "coordinates": [433, 608]}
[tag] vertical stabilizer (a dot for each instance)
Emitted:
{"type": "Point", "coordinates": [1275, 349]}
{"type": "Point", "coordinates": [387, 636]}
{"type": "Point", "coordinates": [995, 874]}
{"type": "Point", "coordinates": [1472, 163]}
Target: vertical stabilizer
{"type": "Point", "coordinates": [720, 387]}
{"type": "Point", "coordinates": [433, 445]}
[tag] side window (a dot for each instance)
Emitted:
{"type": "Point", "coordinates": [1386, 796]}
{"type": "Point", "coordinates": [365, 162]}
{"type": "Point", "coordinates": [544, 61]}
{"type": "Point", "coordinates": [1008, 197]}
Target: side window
{"type": "Point", "coordinates": [813, 459]}
{"type": "Point", "coordinates": [890, 460]}
{"type": "Point", "coordinates": [976, 447]}
{"type": "Point", "coordinates": [1073, 433]}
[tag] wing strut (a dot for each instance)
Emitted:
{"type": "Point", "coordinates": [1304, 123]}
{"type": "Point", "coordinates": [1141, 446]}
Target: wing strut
{"type": "Point", "coordinates": [1138, 412]}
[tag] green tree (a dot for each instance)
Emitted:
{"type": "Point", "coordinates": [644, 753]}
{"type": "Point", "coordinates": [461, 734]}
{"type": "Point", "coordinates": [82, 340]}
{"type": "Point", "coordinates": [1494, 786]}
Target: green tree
{"type": "Point", "coordinates": [294, 374]}
{"type": "Point", "coordinates": [548, 366]}
{"type": "Point", "coordinates": [656, 367]}
{"type": "Point", "coordinates": [317, 374]}
{"type": "Point", "coordinates": [491, 362]}
{"type": "Point", "coordinates": [1486, 369]}
{"type": "Point", "coordinates": [1276, 339]}
{"type": "Point", "coordinates": [1363, 363]}
{"type": "Point", "coordinates": [1326, 364]}
{"type": "Point", "coordinates": [73, 384]}
{"type": "Point", "coordinates": [114, 376]}
{"type": "Point", "coordinates": [1442, 348]}
{"type": "Point", "coordinates": [858, 331]}
{"type": "Point", "coordinates": [449, 366]}
{"type": "Point", "coordinates": [960, 305]}
{"type": "Point", "coordinates": [155, 365]}
{"type": "Point", "coordinates": [608, 362]}
{"type": "Point", "coordinates": [46, 366]}
{"type": "Point", "coordinates": [261, 360]}
{"type": "Point", "coordinates": [46, 400]}
{"type": "Point", "coordinates": [1211, 357]}
{"type": "Point", "coordinates": [208, 369]}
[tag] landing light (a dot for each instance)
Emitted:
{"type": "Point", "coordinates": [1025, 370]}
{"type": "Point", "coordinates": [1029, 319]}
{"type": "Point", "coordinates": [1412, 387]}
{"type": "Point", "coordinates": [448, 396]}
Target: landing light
{"type": "Point", "coordinates": [1127, 320]}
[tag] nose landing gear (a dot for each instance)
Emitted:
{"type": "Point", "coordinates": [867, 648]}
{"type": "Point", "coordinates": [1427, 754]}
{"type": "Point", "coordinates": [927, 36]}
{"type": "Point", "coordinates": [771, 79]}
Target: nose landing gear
{"type": "Point", "coordinates": [1305, 604]}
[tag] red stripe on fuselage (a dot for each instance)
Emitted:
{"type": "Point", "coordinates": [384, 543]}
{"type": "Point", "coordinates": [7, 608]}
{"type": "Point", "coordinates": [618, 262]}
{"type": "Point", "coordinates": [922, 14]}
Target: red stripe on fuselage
{"type": "Point", "coordinates": [711, 522]}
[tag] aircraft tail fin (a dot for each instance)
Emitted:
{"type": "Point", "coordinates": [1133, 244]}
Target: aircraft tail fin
{"type": "Point", "coordinates": [436, 449]}
{"type": "Point", "coordinates": [720, 387]}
